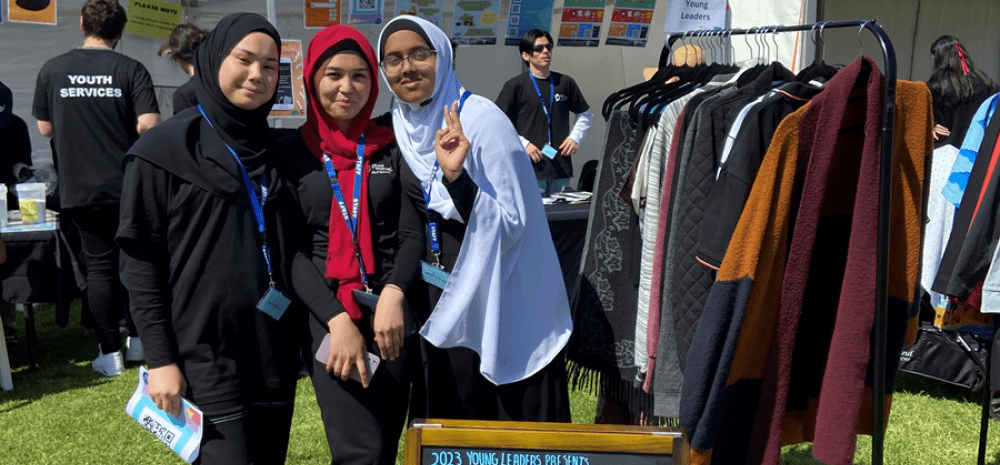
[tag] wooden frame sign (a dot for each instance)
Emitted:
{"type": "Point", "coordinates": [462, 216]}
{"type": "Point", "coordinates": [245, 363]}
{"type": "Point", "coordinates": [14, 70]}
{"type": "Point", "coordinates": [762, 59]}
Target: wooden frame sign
{"type": "Point", "coordinates": [462, 442]}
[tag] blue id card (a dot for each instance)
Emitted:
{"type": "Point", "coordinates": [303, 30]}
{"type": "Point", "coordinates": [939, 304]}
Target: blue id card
{"type": "Point", "coordinates": [366, 299]}
{"type": "Point", "coordinates": [274, 303]}
{"type": "Point", "coordinates": [548, 151]}
{"type": "Point", "coordinates": [433, 275]}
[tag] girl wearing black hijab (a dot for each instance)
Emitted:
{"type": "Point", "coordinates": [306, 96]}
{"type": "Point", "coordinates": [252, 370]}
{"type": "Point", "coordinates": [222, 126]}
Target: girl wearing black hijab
{"type": "Point", "coordinates": [199, 233]}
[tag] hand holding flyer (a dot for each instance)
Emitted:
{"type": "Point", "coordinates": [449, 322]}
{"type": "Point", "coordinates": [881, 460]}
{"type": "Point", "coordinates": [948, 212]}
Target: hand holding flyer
{"type": "Point", "coordinates": [181, 435]}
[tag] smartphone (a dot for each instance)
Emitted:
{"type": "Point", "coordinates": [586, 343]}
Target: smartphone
{"type": "Point", "coordinates": [285, 99]}
{"type": "Point", "coordinates": [373, 360]}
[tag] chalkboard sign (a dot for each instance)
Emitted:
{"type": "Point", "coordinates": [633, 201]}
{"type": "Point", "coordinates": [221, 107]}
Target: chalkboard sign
{"type": "Point", "coordinates": [454, 442]}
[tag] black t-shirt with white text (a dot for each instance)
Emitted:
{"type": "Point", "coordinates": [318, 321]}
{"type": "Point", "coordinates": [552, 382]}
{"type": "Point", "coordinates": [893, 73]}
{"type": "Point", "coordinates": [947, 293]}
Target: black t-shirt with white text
{"type": "Point", "coordinates": [93, 98]}
{"type": "Point", "coordinates": [520, 102]}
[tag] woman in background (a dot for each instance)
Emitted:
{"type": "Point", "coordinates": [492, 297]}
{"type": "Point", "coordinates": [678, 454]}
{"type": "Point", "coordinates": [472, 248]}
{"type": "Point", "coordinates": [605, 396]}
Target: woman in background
{"type": "Point", "coordinates": [183, 42]}
{"type": "Point", "coordinates": [331, 200]}
{"type": "Point", "coordinates": [957, 89]}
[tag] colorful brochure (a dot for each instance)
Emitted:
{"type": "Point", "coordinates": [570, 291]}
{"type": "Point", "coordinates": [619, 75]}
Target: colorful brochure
{"type": "Point", "coordinates": [181, 435]}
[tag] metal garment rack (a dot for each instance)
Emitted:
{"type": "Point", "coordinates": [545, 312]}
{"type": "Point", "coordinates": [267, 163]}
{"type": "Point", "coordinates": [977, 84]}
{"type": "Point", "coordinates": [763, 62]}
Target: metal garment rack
{"type": "Point", "coordinates": [885, 184]}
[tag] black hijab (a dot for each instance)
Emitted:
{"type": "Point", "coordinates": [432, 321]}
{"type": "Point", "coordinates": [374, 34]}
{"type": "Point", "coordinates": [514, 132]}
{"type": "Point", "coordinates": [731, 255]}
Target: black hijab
{"type": "Point", "coordinates": [244, 130]}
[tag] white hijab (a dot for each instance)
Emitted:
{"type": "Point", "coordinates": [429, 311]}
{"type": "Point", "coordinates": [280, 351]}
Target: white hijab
{"type": "Point", "coordinates": [506, 298]}
{"type": "Point", "coordinates": [415, 124]}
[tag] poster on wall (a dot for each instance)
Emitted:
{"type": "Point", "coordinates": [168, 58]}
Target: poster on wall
{"type": "Point", "coordinates": [321, 14]}
{"type": "Point", "coordinates": [475, 22]}
{"type": "Point", "coordinates": [691, 15]}
{"type": "Point", "coordinates": [365, 12]}
{"type": "Point", "coordinates": [581, 23]}
{"type": "Point", "coordinates": [32, 11]}
{"type": "Point", "coordinates": [431, 10]}
{"type": "Point", "coordinates": [526, 15]}
{"type": "Point", "coordinates": [630, 22]}
{"type": "Point", "coordinates": [291, 91]}
{"type": "Point", "coordinates": [153, 18]}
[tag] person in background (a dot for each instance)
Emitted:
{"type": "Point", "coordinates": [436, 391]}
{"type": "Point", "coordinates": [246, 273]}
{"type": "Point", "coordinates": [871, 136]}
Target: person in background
{"type": "Point", "coordinates": [363, 417]}
{"type": "Point", "coordinates": [94, 103]}
{"type": "Point", "coordinates": [199, 233]}
{"type": "Point", "coordinates": [539, 103]}
{"type": "Point", "coordinates": [15, 165]}
{"type": "Point", "coordinates": [957, 89]}
{"type": "Point", "coordinates": [492, 345]}
{"type": "Point", "coordinates": [184, 40]}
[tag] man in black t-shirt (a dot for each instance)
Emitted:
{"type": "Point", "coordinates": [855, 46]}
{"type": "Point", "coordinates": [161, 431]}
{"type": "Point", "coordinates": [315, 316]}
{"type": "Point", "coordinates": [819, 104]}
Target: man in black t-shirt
{"type": "Point", "coordinates": [15, 155]}
{"type": "Point", "coordinates": [94, 103]}
{"type": "Point", "coordinates": [539, 102]}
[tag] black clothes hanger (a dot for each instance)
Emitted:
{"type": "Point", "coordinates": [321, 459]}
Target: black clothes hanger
{"type": "Point", "coordinates": [818, 70]}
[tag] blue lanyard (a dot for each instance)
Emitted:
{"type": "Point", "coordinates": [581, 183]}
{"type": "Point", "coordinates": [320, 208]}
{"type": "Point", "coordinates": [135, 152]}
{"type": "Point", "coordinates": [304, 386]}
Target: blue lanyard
{"type": "Point", "coordinates": [254, 202]}
{"type": "Point", "coordinates": [552, 96]}
{"type": "Point", "coordinates": [351, 220]}
{"type": "Point", "coordinates": [432, 227]}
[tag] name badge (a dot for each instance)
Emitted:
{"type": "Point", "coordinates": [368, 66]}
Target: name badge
{"type": "Point", "coordinates": [548, 151]}
{"type": "Point", "coordinates": [433, 275]}
{"type": "Point", "coordinates": [366, 299]}
{"type": "Point", "coordinates": [274, 303]}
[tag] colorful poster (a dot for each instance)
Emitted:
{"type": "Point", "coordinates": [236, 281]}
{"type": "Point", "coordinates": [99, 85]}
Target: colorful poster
{"type": "Point", "coordinates": [431, 10]}
{"type": "Point", "coordinates": [291, 98]}
{"type": "Point", "coordinates": [692, 15]}
{"type": "Point", "coordinates": [630, 22]}
{"type": "Point", "coordinates": [581, 23]}
{"type": "Point", "coordinates": [364, 12]}
{"type": "Point", "coordinates": [526, 15]}
{"type": "Point", "coordinates": [476, 22]}
{"type": "Point", "coordinates": [153, 18]}
{"type": "Point", "coordinates": [32, 11]}
{"type": "Point", "coordinates": [321, 14]}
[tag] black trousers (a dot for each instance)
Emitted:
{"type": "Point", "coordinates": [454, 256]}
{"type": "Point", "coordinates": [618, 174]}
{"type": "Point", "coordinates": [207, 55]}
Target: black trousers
{"type": "Point", "coordinates": [251, 431]}
{"type": "Point", "coordinates": [105, 292]}
{"type": "Point", "coordinates": [363, 425]}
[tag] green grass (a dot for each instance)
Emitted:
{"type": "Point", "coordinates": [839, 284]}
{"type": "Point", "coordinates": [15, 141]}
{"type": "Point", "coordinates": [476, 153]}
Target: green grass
{"type": "Point", "coordinates": [64, 413]}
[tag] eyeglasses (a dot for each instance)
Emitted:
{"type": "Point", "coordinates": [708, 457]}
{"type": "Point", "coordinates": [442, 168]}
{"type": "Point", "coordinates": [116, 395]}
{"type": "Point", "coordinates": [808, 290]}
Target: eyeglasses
{"type": "Point", "coordinates": [540, 47]}
{"type": "Point", "coordinates": [420, 59]}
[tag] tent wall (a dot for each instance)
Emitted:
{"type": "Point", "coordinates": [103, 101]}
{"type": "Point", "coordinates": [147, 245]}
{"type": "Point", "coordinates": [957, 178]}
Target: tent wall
{"type": "Point", "coordinates": [482, 69]}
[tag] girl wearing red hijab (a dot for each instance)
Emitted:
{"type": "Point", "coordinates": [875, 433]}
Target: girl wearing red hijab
{"type": "Point", "coordinates": [341, 170]}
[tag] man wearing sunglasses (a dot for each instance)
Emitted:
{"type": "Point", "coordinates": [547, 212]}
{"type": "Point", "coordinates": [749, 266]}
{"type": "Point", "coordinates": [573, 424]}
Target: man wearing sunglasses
{"type": "Point", "coordinates": [539, 102]}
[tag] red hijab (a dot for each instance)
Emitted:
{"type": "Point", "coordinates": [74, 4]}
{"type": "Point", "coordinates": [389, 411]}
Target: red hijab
{"type": "Point", "coordinates": [322, 135]}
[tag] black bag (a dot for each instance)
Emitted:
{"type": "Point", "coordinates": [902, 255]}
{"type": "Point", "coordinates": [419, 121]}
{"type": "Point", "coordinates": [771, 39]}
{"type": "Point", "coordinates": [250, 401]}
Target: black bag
{"type": "Point", "coordinates": [939, 355]}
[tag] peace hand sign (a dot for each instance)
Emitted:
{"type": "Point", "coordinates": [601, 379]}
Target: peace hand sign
{"type": "Point", "coordinates": [450, 144]}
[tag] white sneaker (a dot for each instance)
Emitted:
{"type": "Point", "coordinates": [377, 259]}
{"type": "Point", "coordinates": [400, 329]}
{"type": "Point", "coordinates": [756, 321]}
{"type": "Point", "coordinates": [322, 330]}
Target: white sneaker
{"type": "Point", "coordinates": [108, 364]}
{"type": "Point", "coordinates": [133, 349]}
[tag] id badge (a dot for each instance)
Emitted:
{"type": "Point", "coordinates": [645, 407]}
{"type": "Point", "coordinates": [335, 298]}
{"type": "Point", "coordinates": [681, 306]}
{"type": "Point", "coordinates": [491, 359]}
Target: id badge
{"type": "Point", "coordinates": [274, 303]}
{"type": "Point", "coordinates": [366, 299]}
{"type": "Point", "coordinates": [433, 275]}
{"type": "Point", "coordinates": [548, 151]}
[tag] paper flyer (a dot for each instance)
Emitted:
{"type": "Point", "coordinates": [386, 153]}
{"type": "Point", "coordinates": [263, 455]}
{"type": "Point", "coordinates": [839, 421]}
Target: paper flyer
{"type": "Point", "coordinates": [526, 15]}
{"type": "Point", "coordinates": [153, 18]}
{"type": "Point", "coordinates": [581, 23]}
{"type": "Point", "coordinates": [431, 10]}
{"type": "Point", "coordinates": [365, 12]}
{"type": "Point", "coordinates": [291, 98]}
{"type": "Point", "coordinates": [322, 13]}
{"type": "Point", "coordinates": [695, 16]}
{"type": "Point", "coordinates": [475, 22]}
{"type": "Point", "coordinates": [32, 11]}
{"type": "Point", "coordinates": [181, 435]}
{"type": "Point", "coordinates": [630, 22]}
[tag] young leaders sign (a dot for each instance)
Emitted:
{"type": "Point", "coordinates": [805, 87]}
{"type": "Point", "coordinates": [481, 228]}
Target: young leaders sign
{"type": "Point", "coordinates": [694, 15]}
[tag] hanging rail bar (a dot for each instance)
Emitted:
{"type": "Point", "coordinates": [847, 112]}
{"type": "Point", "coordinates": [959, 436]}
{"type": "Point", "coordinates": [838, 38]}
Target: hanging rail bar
{"type": "Point", "coordinates": [879, 328]}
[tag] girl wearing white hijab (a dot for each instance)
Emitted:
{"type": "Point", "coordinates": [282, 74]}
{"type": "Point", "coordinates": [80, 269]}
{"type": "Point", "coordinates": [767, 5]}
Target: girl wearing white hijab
{"type": "Point", "coordinates": [494, 339]}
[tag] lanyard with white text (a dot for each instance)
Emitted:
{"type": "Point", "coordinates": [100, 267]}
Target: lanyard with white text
{"type": "Point", "coordinates": [258, 211]}
{"type": "Point", "coordinates": [552, 96]}
{"type": "Point", "coordinates": [432, 227]}
{"type": "Point", "coordinates": [351, 220]}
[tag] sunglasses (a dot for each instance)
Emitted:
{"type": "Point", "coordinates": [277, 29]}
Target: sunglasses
{"type": "Point", "coordinates": [539, 48]}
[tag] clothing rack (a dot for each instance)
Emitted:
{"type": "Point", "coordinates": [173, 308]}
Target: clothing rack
{"type": "Point", "coordinates": [885, 183]}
